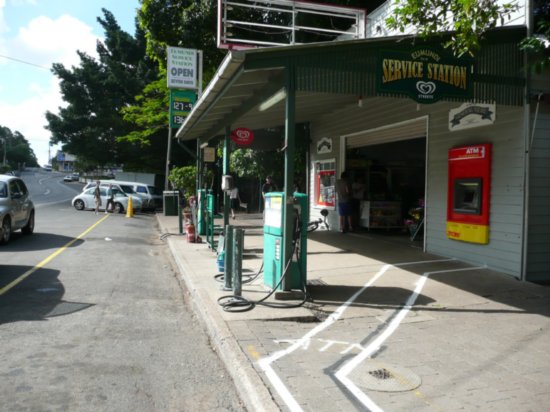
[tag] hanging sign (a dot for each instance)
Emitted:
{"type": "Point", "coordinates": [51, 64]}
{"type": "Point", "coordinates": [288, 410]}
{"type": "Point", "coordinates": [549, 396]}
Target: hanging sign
{"type": "Point", "coordinates": [182, 68]}
{"type": "Point", "coordinates": [181, 103]}
{"type": "Point", "coordinates": [324, 145]}
{"type": "Point", "coordinates": [209, 154]}
{"type": "Point", "coordinates": [424, 74]}
{"type": "Point", "coordinates": [471, 115]}
{"type": "Point", "coordinates": [242, 136]}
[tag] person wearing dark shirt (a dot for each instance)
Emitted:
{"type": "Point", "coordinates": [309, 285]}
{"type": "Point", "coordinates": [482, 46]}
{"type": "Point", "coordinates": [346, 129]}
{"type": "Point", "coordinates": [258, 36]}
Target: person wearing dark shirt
{"type": "Point", "coordinates": [343, 188]}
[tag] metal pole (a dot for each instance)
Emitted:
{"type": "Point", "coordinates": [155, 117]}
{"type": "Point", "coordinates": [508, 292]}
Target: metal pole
{"type": "Point", "coordinates": [290, 130]}
{"type": "Point", "coordinates": [228, 264]}
{"type": "Point", "coordinates": [166, 185]}
{"type": "Point", "coordinates": [238, 261]}
{"type": "Point", "coordinates": [200, 74]}
{"type": "Point", "coordinates": [226, 156]}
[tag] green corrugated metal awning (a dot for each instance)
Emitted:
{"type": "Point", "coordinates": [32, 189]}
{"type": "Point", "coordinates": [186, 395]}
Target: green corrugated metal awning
{"type": "Point", "coordinates": [331, 75]}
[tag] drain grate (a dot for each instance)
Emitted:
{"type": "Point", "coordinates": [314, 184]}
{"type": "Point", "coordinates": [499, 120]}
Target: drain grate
{"type": "Point", "coordinates": [381, 374]}
{"type": "Point", "coordinates": [378, 376]}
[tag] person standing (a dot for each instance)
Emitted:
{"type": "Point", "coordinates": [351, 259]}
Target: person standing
{"type": "Point", "coordinates": [234, 200]}
{"type": "Point", "coordinates": [110, 199]}
{"type": "Point", "coordinates": [343, 188]}
{"type": "Point", "coordinates": [268, 186]}
{"type": "Point", "coordinates": [97, 196]}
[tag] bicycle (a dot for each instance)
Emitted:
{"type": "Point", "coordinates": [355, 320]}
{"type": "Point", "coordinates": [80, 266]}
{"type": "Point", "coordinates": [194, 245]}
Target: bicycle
{"type": "Point", "coordinates": [314, 224]}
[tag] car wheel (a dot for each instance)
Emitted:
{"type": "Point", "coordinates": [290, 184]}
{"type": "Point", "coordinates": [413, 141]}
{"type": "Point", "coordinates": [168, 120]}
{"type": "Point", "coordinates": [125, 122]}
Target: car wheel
{"type": "Point", "coordinates": [79, 204]}
{"type": "Point", "coordinates": [29, 227]}
{"type": "Point", "coordinates": [6, 230]}
{"type": "Point", "coordinates": [119, 208]}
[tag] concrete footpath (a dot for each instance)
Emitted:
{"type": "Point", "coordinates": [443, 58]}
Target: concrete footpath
{"type": "Point", "coordinates": [388, 328]}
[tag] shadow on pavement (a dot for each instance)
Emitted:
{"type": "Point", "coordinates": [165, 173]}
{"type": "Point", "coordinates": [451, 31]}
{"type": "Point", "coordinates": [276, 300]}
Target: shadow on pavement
{"type": "Point", "coordinates": [491, 285]}
{"type": "Point", "coordinates": [38, 241]}
{"type": "Point", "coordinates": [37, 297]}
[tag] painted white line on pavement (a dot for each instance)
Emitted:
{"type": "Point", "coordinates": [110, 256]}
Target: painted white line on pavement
{"type": "Point", "coordinates": [347, 368]}
{"type": "Point", "coordinates": [265, 363]}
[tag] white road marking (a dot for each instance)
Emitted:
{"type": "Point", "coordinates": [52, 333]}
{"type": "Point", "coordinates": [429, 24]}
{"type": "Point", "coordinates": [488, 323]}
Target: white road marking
{"type": "Point", "coordinates": [265, 363]}
{"type": "Point", "coordinates": [346, 369]}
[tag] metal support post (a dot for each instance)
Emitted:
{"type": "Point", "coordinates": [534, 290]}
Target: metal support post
{"type": "Point", "coordinates": [290, 131]}
{"type": "Point", "coordinates": [238, 238]}
{"type": "Point", "coordinates": [226, 157]}
{"type": "Point", "coordinates": [228, 265]}
{"type": "Point", "coordinates": [168, 154]}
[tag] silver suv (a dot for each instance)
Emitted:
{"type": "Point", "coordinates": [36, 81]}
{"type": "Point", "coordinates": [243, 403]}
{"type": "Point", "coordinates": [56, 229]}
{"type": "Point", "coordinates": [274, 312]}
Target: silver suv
{"type": "Point", "coordinates": [16, 208]}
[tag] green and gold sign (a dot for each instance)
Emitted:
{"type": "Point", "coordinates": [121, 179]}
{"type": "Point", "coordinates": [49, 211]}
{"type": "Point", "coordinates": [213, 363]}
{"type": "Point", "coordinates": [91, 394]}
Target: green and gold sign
{"type": "Point", "coordinates": [424, 74]}
{"type": "Point", "coordinates": [181, 103]}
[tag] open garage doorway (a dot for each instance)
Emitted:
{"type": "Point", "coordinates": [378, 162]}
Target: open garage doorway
{"type": "Point", "coordinates": [387, 167]}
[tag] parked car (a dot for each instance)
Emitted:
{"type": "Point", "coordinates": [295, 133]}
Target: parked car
{"type": "Point", "coordinates": [85, 200]}
{"type": "Point", "coordinates": [16, 208]}
{"type": "Point", "coordinates": [73, 177]}
{"type": "Point", "coordinates": [123, 188]}
{"type": "Point", "coordinates": [150, 196]}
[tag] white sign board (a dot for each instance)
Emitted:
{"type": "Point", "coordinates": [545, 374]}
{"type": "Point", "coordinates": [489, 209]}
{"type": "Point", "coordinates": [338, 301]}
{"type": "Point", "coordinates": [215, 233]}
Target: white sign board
{"type": "Point", "coordinates": [471, 115]}
{"type": "Point", "coordinates": [182, 68]}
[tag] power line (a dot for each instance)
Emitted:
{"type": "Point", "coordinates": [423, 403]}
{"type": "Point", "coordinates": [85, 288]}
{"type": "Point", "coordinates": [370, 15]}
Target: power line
{"type": "Point", "coordinates": [24, 62]}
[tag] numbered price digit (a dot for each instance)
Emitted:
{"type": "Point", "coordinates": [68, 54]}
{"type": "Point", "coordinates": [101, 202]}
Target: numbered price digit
{"type": "Point", "coordinates": [178, 119]}
{"type": "Point", "coordinates": [182, 106]}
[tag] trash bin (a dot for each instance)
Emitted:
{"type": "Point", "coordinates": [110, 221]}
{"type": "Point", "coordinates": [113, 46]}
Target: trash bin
{"type": "Point", "coordinates": [171, 200]}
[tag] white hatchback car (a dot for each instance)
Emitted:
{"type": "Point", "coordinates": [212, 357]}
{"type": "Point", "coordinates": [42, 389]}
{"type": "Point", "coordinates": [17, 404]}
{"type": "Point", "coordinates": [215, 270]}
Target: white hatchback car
{"type": "Point", "coordinates": [85, 200]}
{"type": "Point", "coordinates": [16, 208]}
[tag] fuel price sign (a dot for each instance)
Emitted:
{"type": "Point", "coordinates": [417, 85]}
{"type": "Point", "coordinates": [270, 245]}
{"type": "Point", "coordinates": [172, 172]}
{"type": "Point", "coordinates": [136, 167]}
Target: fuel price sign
{"type": "Point", "coordinates": [181, 103]}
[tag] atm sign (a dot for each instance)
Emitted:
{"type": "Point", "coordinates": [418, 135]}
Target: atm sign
{"type": "Point", "coordinates": [469, 152]}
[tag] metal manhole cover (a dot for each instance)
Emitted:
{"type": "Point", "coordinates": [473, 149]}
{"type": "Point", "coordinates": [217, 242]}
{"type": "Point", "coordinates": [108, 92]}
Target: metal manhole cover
{"type": "Point", "coordinates": [379, 376]}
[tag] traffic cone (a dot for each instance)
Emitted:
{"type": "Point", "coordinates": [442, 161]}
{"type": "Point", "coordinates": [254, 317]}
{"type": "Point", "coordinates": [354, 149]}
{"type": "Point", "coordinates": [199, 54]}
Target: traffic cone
{"type": "Point", "coordinates": [130, 209]}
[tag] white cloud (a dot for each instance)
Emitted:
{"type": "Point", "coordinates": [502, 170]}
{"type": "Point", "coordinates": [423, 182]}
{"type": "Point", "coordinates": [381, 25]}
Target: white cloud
{"type": "Point", "coordinates": [42, 41]}
{"type": "Point", "coordinates": [28, 116]}
{"type": "Point", "coordinates": [45, 41]}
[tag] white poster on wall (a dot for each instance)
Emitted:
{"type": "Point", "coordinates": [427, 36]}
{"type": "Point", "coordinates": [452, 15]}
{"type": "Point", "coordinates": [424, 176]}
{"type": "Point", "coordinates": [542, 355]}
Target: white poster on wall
{"type": "Point", "coordinates": [471, 115]}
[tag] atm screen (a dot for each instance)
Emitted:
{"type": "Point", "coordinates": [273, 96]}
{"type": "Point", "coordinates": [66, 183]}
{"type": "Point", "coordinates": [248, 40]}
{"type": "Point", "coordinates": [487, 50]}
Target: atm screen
{"type": "Point", "coordinates": [467, 196]}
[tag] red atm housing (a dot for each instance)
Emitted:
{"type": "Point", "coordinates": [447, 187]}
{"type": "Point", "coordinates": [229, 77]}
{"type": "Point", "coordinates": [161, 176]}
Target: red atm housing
{"type": "Point", "coordinates": [468, 195]}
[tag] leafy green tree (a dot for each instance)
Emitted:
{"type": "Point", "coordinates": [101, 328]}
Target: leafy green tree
{"type": "Point", "coordinates": [96, 91]}
{"type": "Point", "coordinates": [184, 23]}
{"type": "Point", "coordinates": [468, 20]}
{"type": "Point", "coordinates": [538, 45]}
{"type": "Point", "coordinates": [18, 150]}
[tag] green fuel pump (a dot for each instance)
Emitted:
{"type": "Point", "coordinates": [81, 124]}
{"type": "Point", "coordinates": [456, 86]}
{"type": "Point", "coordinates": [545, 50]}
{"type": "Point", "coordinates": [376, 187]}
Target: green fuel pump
{"type": "Point", "coordinates": [274, 219]}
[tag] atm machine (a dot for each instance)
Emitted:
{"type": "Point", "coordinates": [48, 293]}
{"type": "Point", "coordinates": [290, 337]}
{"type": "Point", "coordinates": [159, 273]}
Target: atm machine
{"type": "Point", "coordinates": [274, 267]}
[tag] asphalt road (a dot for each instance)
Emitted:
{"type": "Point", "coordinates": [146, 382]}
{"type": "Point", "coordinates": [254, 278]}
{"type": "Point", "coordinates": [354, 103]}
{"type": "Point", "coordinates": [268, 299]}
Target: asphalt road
{"type": "Point", "coordinates": [92, 316]}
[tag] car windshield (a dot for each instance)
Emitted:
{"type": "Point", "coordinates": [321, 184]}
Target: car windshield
{"type": "Point", "coordinates": [3, 189]}
{"type": "Point", "coordinates": [118, 193]}
{"type": "Point", "coordinates": [127, 189]}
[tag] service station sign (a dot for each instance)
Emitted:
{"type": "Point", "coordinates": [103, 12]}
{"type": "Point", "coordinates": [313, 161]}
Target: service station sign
{"type": "Point", "coordinates": [424, 74]}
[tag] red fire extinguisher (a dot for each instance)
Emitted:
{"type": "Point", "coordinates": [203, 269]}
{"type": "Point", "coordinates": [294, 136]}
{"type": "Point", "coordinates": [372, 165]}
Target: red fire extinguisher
{"type": "Point", "coordinates": [190, 230]}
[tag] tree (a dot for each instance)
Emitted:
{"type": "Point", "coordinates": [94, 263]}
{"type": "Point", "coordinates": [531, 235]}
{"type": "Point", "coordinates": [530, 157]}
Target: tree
{"type": "Point", "coordinates": [538, 45]}
{"type": "Point", "coordinates": [184, 23]}
{"type": "Point", "coordinates": [18, 150]}
{"type": "Point", "coordinates": [96, 92]}
{"type": "Point", "coordinates": [466, 20]}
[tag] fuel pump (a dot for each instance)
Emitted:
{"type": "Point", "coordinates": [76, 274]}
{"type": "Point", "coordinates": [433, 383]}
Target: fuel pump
{"type": "Point", "coordinates": [295, 269]}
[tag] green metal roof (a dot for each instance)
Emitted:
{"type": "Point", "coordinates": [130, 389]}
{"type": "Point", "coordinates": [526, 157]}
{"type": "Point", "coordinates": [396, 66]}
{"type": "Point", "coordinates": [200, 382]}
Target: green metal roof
{"type": "Point", "coordinates": [329, 75]}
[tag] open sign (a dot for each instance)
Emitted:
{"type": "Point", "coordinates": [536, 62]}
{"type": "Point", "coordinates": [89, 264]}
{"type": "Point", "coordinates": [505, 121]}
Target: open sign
{"type": "Point", "coordinates": [242, 136]}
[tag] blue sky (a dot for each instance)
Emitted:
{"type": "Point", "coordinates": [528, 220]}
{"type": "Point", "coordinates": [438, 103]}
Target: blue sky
{"type": "Point", "coordinates": [42, 32]}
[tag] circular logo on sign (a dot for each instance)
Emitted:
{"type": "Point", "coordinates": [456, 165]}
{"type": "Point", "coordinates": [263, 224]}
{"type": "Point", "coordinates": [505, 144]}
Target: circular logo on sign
{"type": "Point", "coordinates": [242, 136]}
